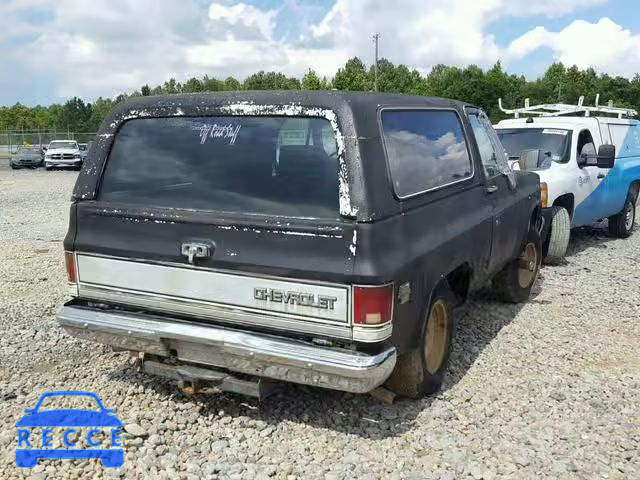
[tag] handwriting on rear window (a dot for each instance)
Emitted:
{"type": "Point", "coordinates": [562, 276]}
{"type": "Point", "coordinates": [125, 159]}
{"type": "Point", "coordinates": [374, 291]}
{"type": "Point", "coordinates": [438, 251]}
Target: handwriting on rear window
{"type": "Point", "coordinates": [226, 132]}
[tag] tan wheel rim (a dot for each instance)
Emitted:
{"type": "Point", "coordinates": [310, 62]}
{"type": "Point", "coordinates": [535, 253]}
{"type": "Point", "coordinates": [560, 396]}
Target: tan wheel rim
{"type": "Point", "coordinates": [528, 266]}
{"type": "Point", "coordinates": [436, 337]}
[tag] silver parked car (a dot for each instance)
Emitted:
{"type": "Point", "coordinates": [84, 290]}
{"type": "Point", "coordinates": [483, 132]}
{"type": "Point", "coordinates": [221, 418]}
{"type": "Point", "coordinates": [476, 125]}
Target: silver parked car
{"type": "Point", "coordinates": [24, 157]}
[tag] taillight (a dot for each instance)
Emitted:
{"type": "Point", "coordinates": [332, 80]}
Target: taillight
{"type": "Point", "coordinates": [372, 305]}
{"type": "Point", "coordinates": [70, 263]}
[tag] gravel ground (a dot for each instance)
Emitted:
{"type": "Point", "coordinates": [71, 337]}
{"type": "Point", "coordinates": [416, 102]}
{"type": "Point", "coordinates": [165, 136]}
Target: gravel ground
{"type": "Point", "coordinates": [548, 389]}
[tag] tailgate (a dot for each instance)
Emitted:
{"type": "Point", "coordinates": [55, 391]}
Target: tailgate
{"type": "Point", "coordinates": [262, 276]}
{"type": "Point", "coordinates": [254, 198]}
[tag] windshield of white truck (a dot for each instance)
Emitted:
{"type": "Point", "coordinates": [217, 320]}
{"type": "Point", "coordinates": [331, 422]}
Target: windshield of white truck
{"type": "Point", "coordinates": [553, 143]}
{"type": "Point", "coordinates": [61, 145]}
{"type": "Point", "coordinates": [266, 165]}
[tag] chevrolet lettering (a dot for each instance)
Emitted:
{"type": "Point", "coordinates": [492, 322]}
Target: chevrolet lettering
{"type": "Point", "coordinates": [294, 298]}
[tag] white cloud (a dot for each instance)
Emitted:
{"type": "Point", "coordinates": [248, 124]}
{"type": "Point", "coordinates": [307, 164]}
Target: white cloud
{"type": "Point", "coordinates": [604, 45]}
{"type": "Point", "coordinates": [117, 45]}
{"type": "Point", "coordinates": [423, 33]}
{"type": "Point", "coordinates": [245, 15]}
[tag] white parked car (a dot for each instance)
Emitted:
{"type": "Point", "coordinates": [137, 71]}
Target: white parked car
{"type": "Point", "coordinates": [63, 154]}
{"type": "Point", "coordinates": [589, 167]}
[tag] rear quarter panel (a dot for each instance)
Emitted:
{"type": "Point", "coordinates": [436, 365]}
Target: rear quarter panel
{"type": "Point", "coordinates": [435, 234]}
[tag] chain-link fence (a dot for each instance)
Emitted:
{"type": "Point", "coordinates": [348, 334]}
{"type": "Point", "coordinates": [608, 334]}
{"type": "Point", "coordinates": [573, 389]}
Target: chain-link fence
{"type": "Point", "coordinates": [10, 140]}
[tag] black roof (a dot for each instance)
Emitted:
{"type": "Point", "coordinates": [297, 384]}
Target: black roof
{"type": "Point", "coordinates": [352, 108]}
{"type": "Point", "coordinates": [303, 97]}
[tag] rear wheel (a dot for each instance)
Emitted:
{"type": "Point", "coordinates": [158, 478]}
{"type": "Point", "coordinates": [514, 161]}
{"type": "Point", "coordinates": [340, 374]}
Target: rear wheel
{"type": "Point", "coordinates": [621, 225]}
{"type": "Point", "coordinates": [559, 233]}
{"type": "Point", "coordinates": [420, 372]}
{"type": "Point", "coordinates": [513, 283]}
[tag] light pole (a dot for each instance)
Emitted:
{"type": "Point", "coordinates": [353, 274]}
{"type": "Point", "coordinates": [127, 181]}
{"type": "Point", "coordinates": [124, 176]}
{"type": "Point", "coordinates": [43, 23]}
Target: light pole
{"type": "Point", "coordinates": [376, 39]}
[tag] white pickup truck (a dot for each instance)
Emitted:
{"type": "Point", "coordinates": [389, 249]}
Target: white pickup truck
{"type": "Point", "coordinates": [589, 167]}
{"type": "Point", "coordinates": [63, 154]}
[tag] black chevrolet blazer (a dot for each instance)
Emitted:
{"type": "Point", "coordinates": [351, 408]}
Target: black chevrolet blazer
{"type": "Point", "coordinates": [232, 239]}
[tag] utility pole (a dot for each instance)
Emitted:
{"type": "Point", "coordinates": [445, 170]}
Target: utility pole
{"type": "Point", "coordinates": [560, 91]}
{"type": "Point", "coordinates": [376, 39]}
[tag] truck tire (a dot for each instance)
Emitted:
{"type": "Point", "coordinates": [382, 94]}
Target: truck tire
{"type": "Point", "coordinates": [621, 224]}
{"type": "Point", "coordinates": [421, 371]}
{"type": "Point", "coordinates": [513, 283]}
{"type": "Point", "coordinates": [559, 233]}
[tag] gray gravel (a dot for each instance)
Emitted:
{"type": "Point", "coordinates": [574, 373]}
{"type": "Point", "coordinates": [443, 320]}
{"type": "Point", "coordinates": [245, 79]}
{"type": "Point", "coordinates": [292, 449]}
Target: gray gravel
{"type": "Point", "coordinates": [548, 389]}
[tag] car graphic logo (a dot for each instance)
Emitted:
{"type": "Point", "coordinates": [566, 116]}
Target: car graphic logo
{"type": "Point", "coordinates": [28, 452]}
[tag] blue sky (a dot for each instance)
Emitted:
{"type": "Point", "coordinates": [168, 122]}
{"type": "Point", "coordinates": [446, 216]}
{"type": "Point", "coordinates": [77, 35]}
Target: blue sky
{"type": "Point", "coordinates": [52, 50]}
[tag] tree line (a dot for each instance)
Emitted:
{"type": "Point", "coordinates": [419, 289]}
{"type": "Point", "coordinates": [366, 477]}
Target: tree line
{"type": "Point", "coordinates": [471, 84]}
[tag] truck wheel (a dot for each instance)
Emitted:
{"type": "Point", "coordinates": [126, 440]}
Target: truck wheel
{"type": "Point", "coordinates": [420, 372]}
{"type": "Point", "coordinates": [558, 235]}
{"type": "Point", "coordinates": [621, 225]}
{"type": "Point", "coordinates": [513, 283]}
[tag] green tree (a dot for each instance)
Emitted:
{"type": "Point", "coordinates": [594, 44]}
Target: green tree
{"type": "Point", "coordinates": [193, 85]}
{"type": "Point", "coordinates": [310, 81]}
{"type": "Point", "coordinates": [211, 84]}
{"type": "Point", "coordinates": [353, 77]}
{"type": "Point", "coordinates": [471, 84]}
{"type": "Point", "coordinates": [231, 84]}
{"type": "Point", "coordinates": [101, 109]}
{"type": "Point", "coordinates": [270, 81]}
{"type": "Point", "coordinates": [171, 87]}
{"type": "Point", "coordinates": [75, 115]}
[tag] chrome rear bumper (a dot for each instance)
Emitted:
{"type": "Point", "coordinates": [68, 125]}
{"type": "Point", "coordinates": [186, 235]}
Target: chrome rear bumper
{"type": "Point", "coordinates": [249, 353]}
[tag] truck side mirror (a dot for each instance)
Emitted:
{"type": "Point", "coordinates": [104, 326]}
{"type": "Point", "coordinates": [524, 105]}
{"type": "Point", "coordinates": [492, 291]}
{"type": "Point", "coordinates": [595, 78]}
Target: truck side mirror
{"type": "Point", "coordinates": [606, 156]}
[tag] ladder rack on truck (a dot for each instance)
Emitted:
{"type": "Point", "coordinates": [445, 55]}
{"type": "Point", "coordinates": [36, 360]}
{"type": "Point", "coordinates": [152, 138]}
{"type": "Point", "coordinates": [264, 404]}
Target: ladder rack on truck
{"type": "Point", "coordinates": [558, 109]}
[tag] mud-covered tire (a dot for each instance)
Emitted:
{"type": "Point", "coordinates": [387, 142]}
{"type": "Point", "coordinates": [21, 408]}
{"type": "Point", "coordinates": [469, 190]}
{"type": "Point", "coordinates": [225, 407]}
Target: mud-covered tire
{"type": "Point", "coordinates": [513, 283]}
{"type": "Point", "coordinates": [421, 371]}
{"type": "Point", "coordinates": [621, 224]}
{"type": "Point", "coordinates": [559, 233]}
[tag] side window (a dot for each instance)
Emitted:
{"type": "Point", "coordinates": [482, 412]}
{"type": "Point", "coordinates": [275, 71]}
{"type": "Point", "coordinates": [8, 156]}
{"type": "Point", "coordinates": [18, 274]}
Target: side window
{"type": "Point", "coordinates": [501, 154]}
{"type": "Point", "coordinates": [488, 153]}
{"type": "Point", "coordinates": [626, 138]}
{"type": "Point", "coordinates": [586, 147]}
{"type": "Point", "coordinates": [426, 149]}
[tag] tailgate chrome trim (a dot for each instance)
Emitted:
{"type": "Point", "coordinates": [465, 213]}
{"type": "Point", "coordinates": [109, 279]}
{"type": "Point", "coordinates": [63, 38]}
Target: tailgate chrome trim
{"type": "Point", "coordinates": [245, 352]}
{"type": "Point", "coordinates": [221, 288]}
{"type": "Point", "coordinates": [208, 311]}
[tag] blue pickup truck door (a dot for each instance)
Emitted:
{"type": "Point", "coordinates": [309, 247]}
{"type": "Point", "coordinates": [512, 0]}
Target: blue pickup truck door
{"type": "Point", "coordinates": [589, 191]}
{"type": "Point", "coordinates": [625, 135]}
